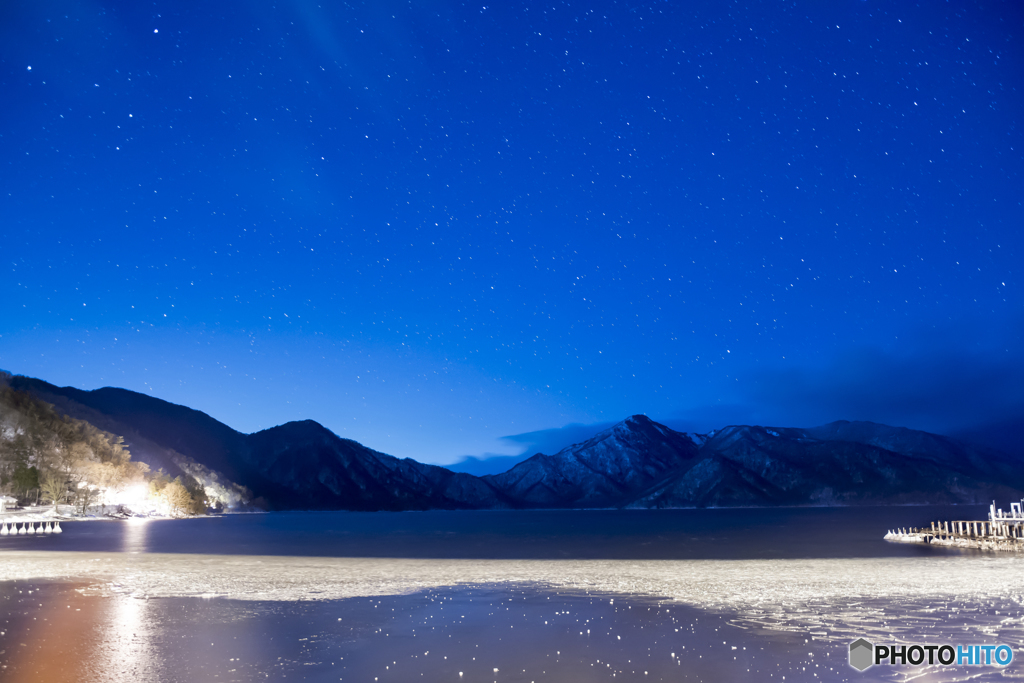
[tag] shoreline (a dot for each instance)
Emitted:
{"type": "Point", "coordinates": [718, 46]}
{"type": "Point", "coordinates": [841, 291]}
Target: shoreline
{"type": "Point", "coordinates": [49, 514]}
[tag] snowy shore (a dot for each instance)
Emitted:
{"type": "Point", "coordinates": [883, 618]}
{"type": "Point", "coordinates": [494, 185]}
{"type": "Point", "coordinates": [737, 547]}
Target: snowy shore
{"type": "Point", "coordinates": [39, 514]}
{"type": "Point", "coordinates": [47, 513]}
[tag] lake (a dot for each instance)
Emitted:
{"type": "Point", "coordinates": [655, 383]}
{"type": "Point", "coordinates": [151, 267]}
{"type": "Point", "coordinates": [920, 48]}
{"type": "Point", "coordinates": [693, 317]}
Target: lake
{"type": "Point", "coordinates": [738, 594]}
{"type": "Point", "coordinates": [755, 533]}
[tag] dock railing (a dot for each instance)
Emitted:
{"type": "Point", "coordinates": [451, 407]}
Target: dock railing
{"type": "Point", "coordinates": [1005, 529]}
{"type": "Point", "coordinates": [966, 529]}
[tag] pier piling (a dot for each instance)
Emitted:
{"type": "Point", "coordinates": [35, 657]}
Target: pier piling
{"type": "Point", "coordinates": [1001, 531]}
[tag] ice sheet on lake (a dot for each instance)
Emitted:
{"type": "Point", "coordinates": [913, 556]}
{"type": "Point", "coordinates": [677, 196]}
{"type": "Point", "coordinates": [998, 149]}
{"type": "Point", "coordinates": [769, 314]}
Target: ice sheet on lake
{"type": "Point", "coordinates": [834, 598]}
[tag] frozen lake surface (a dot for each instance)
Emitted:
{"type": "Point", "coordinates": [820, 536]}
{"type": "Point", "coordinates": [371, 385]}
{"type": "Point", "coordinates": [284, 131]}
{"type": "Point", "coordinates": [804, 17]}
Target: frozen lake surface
{"type": "Point", "coordinates": [550, 595]}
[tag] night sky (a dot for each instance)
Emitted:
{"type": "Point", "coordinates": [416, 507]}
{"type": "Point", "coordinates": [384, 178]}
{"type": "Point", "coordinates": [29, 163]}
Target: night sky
{"type": "Point", "coordinates": [433, 225]}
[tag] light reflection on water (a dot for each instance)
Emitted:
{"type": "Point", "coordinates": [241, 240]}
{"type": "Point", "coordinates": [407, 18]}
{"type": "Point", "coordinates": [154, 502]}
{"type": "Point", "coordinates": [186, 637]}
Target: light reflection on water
{"type": "Point", "coordinates": [135, 534]}
{"type": "Point", "coordinates": [123, 647]}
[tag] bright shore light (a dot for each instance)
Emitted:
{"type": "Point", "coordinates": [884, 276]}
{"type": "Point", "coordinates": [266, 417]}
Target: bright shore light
{"type": "Point", "coordinates": [135, 497]}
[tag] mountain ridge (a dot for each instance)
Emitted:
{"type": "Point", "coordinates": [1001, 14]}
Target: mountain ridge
{"type": "Point", "coordinates": [636, 463]}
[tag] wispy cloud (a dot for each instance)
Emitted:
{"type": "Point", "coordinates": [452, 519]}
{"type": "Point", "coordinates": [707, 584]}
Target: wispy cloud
{"type": "Point", "coordinates": [547, 441]}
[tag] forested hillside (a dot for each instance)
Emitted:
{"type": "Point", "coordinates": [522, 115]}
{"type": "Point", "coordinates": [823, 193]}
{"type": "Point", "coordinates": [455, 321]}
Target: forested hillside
{"type": "Point", "coordinates": [47, 457]}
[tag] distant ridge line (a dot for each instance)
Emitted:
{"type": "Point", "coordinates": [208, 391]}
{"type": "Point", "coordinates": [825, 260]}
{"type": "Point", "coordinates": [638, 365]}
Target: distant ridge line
{"type": "Point", "coordinates": [636, 463]}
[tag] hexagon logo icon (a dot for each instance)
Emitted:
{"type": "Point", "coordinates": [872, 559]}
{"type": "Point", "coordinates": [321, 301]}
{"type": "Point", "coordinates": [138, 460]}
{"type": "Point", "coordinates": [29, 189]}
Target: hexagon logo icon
{"type": "Point", "coordinates": [861, 654]}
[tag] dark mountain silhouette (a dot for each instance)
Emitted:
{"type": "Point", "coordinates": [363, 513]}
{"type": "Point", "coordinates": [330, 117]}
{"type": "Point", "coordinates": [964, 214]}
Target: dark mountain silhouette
{"type": "Point", "coordinates": [298, 465]}
{"type": "Point", "coordinates": [635, 463]}
{"type": "Point", "coordinates": [304, 465]}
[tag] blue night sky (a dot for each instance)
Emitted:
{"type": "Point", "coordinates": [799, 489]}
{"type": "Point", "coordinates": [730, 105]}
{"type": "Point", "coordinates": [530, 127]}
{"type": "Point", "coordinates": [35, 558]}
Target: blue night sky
{"type": "Point", "coordinates": [433, 225]}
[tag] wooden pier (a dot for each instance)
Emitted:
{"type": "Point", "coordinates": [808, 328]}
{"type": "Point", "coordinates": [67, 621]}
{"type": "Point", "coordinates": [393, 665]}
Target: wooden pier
{"type": "Point", "coordinates": [1001, 531]}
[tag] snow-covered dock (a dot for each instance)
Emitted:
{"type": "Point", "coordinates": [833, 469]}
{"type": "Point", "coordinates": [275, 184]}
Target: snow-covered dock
{"type": "Point", "coordinates": [1001, 531]}
{"type": "Point", "coordinates": [31, 521]}
{"type": "Point", "coordinates": [29, 528]}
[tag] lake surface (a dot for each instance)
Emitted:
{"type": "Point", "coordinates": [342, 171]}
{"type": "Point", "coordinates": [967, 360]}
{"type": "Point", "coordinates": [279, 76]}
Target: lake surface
{"type": "Point", "coordinates": [535, 534]}
{"type": "Point", "coordinates": [674, 595]}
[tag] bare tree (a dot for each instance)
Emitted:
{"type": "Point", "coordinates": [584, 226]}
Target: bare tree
{"type": "Point", "coordinates": [177, 497]}
{"type": "Point", "coordinates": [52, 487]}
{"type": "Point", "coordinates": [84, 497]}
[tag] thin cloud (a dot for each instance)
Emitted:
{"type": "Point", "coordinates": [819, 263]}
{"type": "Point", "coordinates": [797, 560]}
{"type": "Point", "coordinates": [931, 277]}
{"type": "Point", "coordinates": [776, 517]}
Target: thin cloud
{"type": "Point", "coordinates": [547, 441]}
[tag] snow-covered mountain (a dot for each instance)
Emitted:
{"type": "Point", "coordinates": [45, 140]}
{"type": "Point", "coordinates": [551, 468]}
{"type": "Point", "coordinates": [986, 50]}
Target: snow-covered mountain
{"type": "Point", "coordinates": [611, 467]}
{"type": "Point", "coordinates": [842, 463]}
{"type": "Point", "coordinates": [636, 463]}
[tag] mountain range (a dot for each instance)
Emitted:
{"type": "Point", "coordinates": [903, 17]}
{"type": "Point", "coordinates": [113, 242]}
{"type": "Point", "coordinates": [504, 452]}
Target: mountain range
{"type": "Point", "coordinates": [636, 463]}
